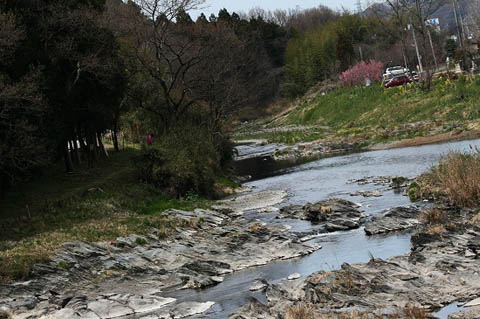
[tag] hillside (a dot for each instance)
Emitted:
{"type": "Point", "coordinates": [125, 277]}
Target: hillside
{"type": "Point", "coordinates": [372, 115]}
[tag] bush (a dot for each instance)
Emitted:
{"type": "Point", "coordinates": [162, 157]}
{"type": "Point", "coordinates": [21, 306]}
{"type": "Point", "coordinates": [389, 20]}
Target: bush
{"type": "Point", "coordinates": [359, 73]}
{"type": "Point", "coordinates": [456, 178]}
{"type": "Point", "coordinates": [187, 160]}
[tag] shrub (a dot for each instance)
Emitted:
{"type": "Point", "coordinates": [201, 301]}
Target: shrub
{"type": "Point", "coordinates": [187, 160]}
{"type": "Point", "coordinates": [362, 71]}
{"type": "Point", "coordinates": [413, 192]}
{"type": "Point", "coordinates": [456, 178]}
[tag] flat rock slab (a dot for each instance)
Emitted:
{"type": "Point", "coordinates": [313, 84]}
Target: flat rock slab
{"type": "Point", "coordinates": [294, 276]}
{"type": "Point", "coordinates": [473, 303]}
{"type": "Point", "coordinates": [258, 285]}
{"type": "Point", "coordinates": [254, 201]}
{"type": "Point", "coordinates": [394, 219]}
{"type": "Point", "coordinates": [472, 313]}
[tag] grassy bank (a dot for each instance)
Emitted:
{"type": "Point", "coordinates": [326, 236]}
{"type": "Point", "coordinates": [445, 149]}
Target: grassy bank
{"type": "Point", "coordinates": [376, 115]}
{"type": "Point", "coordinates": [455, 180]}
{"type": "Point", "coordinates": [91, 204]}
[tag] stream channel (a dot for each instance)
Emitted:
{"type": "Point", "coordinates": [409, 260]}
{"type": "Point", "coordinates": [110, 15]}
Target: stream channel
{"type": "Point", "coordinates": [323, 179]}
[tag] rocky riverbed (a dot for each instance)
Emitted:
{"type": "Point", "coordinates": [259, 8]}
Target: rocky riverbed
{"type": "Point", "coordinates": [129, 276]}
{"type": "Point", "coordinates": [195, 273]}
{"type": "Point", "coordinates": [442, 267]}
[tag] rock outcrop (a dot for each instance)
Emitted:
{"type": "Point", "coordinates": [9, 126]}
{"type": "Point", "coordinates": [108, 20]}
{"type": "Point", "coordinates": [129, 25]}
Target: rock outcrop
{"type": "Point", "coordinates": [394, 219]}
{"type": "Point", "coordinates": [333, 214]}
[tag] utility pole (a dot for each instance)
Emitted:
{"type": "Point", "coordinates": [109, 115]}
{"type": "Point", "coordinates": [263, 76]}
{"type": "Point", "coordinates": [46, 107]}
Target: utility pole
{"type": "Point", "coordinates": [416, 47]}
{"type": "Point", "coordinates": [459, 33]}
{"type": "Point", "coordinates": [433, 50]}
{"type": "Point", "coordinates": [461, 21]}
{"type": "Point", "coordinates": [359, 7]}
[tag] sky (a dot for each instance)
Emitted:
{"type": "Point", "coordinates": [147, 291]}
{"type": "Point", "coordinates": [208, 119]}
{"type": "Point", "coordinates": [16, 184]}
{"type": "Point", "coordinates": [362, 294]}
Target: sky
{"type": "Point", "coordinates": [213, 6]}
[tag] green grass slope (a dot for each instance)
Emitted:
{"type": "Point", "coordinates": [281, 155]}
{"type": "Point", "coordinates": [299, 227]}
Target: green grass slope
{"type": "Point", "coordinates": [376, 114]}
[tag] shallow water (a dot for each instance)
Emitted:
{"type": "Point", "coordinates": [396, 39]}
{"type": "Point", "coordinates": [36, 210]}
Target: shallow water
{"type": "Point", "coordinates": [448, 310]}
{"type": "Point", "coordinates": [320, 180]}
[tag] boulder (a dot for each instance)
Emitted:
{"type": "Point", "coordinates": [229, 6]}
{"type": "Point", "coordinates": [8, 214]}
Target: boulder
{"type": "Point", "coordinates": [334, 214]}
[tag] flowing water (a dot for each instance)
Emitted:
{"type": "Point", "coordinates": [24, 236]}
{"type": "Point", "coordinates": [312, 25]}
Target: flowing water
{"type": "Point", "coordinates": [315, 181]}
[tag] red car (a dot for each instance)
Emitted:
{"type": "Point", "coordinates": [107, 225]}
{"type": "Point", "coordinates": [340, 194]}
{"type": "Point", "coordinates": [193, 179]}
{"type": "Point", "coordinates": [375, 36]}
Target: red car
{"type": "Point", "coordinates": [397, 81]}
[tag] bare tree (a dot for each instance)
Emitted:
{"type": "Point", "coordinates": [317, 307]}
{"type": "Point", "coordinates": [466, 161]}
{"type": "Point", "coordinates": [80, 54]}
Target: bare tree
{"type": "Point", "coordinates": [396, 13]}
{"type": "Point", "coordinates": [168, 51]}
{"type": "Point", "coordinates": [237, 76]}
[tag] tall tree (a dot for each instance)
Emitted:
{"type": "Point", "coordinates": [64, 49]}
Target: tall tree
{"type": "Point", "coordinates": [23, 144]}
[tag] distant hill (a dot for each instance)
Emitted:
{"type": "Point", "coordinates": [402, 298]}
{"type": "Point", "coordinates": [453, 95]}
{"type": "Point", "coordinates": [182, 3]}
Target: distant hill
{"type": "Point", "coordinates": [447, 17]}
{"type": "Point", "coordinates": [445, 13]}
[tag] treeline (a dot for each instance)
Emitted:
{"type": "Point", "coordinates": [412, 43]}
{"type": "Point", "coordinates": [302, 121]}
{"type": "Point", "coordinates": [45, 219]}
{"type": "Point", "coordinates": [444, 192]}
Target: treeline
{"type": "Point", "coordinates": [392, 32]}
{"type": "Point", "coordinates": [61, 82]}
{"type": "Point", "coordinates": [72, 71]}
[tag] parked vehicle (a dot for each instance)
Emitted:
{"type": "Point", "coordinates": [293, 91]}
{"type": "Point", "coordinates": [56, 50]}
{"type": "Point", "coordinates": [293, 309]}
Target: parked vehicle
{"type": "Point", "coordinates": [394, 71]}
{"type": "Point", "coordinates": [414, 76]}
{"type": "Point", "coordinates": [397, 81]}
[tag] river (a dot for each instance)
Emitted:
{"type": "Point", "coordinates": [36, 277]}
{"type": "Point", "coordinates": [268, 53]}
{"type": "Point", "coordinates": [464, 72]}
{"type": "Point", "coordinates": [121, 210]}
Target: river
{"type": "Point", "coordinates": [315, 181]}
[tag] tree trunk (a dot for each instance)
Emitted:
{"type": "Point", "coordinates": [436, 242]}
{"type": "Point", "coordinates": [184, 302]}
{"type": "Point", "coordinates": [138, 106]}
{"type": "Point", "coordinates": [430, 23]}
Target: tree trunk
{"type": "Point", "coordinates": [103, 150]}
{"type": "Point", "coordinates": [76, 152]}
{"type": "Point", "coordinates": [67, 159]}
{"type": "Point", "coordinates": [3, 185]}
{"type": "Point", "coordinates": [115, 140]}
{"type": "Point", "coordinates": [91, 148]}
{"type": "Point", "coordinates": [73, 157]}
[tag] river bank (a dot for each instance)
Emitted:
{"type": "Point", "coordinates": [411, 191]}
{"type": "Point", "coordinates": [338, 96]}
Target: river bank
{"type": "Point", "coordinates": [203, 270]}
{"type": "Point", "coordinates": [301, 152]}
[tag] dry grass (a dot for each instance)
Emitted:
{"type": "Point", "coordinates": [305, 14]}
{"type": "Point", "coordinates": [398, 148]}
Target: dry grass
{"type": "Point", "coordinates": [4, 315]}
{"type": "Point", "coordinates": [300, 311]}
{"type": "Point", "coordinates": [409, 312]}
{"type": "Point", "coordinates": [456, 178]}
{"type": "Point", "coordinates": [476, 219]}
{"type": "Point", "coordinates": [436, 230]}
{"type": "Point", "coordinates": [257, 228]}
{"type": "Point", "coordinates": [352, 315]}
{"type": "Point", "coordinates": [434, 217]}
{"type": "Point", "coordinates": [344, 279]}
{"type": "Point", "coordinates": [414, 312]}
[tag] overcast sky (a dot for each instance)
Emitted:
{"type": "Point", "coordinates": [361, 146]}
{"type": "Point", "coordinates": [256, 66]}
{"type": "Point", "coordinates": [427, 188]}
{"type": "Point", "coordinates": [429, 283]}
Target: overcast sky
{"type": "Point", "coordinates": [213, 6]}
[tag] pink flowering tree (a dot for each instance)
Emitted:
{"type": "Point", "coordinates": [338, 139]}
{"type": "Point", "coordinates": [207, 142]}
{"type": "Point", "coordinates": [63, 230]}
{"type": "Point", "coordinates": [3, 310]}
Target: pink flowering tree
{"type": "Point", "coordinates": [361, 73]}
